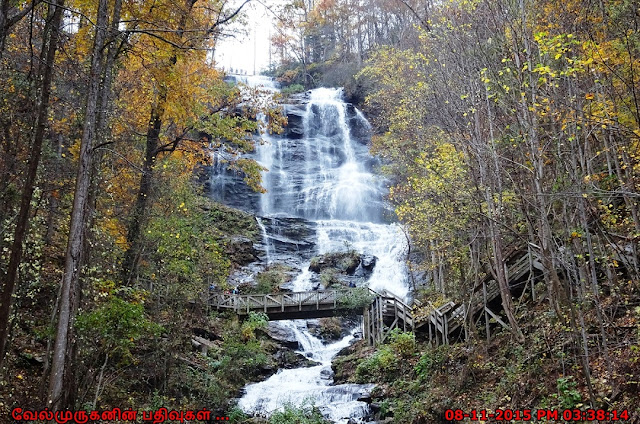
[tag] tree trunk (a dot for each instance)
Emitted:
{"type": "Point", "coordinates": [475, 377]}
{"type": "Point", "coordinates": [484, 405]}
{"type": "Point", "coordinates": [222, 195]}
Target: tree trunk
{"type": "Point", "coordinates": [22, 222]}
{"type": "Point", "coordinates": [152, 149]}
{"type": "Point", "coordinates": [64, 335]}
{"type": "Point", "coordinates": [144, 191]}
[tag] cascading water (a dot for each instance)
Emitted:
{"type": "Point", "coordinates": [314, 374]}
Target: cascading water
{"type": "Point", "coordinates": [322, 196]}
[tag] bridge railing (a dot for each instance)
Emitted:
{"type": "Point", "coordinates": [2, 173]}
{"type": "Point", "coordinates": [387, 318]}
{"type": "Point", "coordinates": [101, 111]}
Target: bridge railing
{"type": "Point", "coordinates": [243, 303]}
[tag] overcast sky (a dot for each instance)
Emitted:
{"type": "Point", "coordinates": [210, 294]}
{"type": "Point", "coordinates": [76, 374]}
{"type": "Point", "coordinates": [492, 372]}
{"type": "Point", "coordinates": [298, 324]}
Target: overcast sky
{"type": "Point", "coordinates": [244, 51]}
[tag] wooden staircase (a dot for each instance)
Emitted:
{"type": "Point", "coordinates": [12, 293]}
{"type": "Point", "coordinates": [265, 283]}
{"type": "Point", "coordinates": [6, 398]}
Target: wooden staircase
{"type": "Point", "coordinates": [387, 312]}
{"type": "Point", "coordinates": [441, 323]}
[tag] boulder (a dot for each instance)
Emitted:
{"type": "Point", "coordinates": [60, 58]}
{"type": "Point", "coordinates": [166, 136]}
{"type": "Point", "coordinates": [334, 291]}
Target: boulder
{"type": "Point", "coordinates": [343, 262]}
{"type": "Point", "coordinates": [368, 262]}
{"type": "Point", "coordinates": [292, 236]}
{"type": "Point", "coordinates": [295, 126]}
{"type": "Point", "coordinates": [288, 359]}
{"type": "Point", "coordinates": [282, 335]}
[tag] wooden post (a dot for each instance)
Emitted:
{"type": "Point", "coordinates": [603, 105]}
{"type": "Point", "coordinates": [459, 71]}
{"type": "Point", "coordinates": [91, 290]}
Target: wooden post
{"type": "Point", "coordinates": [445, 320]}
{"type": "Point", "coordinates": [364, 324]}
{"type": "Point", "coordinates": [373, 323]}
{"type": "Point", "coordinates": [404, 319]}
{"type": "Point", "coordinates": [371, 326]}
{"type": "Point", "coordinates": [370, 323]}
{"type": "Point", "coordinates": [395, 307]}
{"type": "Point", "coordinates": [380, 321]}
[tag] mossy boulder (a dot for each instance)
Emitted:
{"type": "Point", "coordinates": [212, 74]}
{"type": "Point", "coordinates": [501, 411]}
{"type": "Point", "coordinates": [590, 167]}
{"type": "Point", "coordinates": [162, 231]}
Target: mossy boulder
{"type": "Point", "coordinates": [343, 262]}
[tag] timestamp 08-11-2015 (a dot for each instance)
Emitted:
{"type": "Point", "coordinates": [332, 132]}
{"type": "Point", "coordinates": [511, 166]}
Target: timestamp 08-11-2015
{"type": "Point", "coordinates": [570, 415]}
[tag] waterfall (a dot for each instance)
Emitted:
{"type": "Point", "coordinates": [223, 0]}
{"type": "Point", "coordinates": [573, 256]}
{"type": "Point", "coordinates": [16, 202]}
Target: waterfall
{"type": "Point", "coordinates": [323, 195]}
{"type": "Point", "coordinates": [326, 174]}
{"type": "Point", "coordinates": [265, 238]}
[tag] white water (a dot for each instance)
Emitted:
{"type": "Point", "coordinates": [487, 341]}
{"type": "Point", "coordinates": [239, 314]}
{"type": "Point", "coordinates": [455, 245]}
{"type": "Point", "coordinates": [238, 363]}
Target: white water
{"type": "Point", "coordinates": [265, 238]}
{"type": "Point", "coordinates": [324, 177]}
{"type": "Point", "coordinates": [295, 386]}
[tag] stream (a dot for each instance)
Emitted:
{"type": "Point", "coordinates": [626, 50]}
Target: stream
{"type": "Point", "coordinates": [323, 195]}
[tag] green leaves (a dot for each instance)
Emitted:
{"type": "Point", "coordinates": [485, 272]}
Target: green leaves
{"type": "Point", "coordinates": [116, 326]}
{"type": "Point", "coordinates": [185, 253]}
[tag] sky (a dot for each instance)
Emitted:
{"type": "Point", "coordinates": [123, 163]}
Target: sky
{"type": "Point", "coordinates": [247, 51]}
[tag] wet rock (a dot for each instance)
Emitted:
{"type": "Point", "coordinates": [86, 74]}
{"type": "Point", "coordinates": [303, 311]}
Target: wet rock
{"type": "Point", "coordinates": [300, 98]}
{"type": "Point", "coordinates": [267, 370]}
{"type": "Point", "coordinates": [290, 236]}
{"type": "Point", "coordinates": [282, 335]}
{"type": "Point", "coordinates": [294, 129]}
{"type": "Point", "coordinates": [288, 359]}
{"type": "Point", "coordinates": [343, 262]}
{"type": "Point", "coordinates": [368, 262]}
{"type": "Point", "coordinates": [365, 397]}
{"type": "Point", "coordinates": [360, 128]}
{"type": "Point", "coordinates": [227, 186]}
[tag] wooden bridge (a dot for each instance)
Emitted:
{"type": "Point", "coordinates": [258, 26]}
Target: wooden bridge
{"type": "Point", "coordinates": [386, 311]}
{"type": "Point", "coordinates": [279, 306]}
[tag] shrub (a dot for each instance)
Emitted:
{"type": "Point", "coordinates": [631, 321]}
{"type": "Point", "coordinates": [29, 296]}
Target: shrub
{"type": "Point", "coordinates": [355, 299]}
{"type": "Point", "coordinates": [379, 365]}
{"type": "Point", "coordinates": [255, 321]}
{"type": "Point", "coordinates": [568, 394]}
{"type": "Point", "coordinates": [329, 277]}
{"type": "Point", "coordinates": [292, 89]}
{"type": "Point", "coordinates": [270, 280]}
{"type": "Point", "coordinates": [403, 343]}
{"type": "Point", "coordinates": [116, 325]}
{"type": "Point", "coordinates": [430, 361]}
